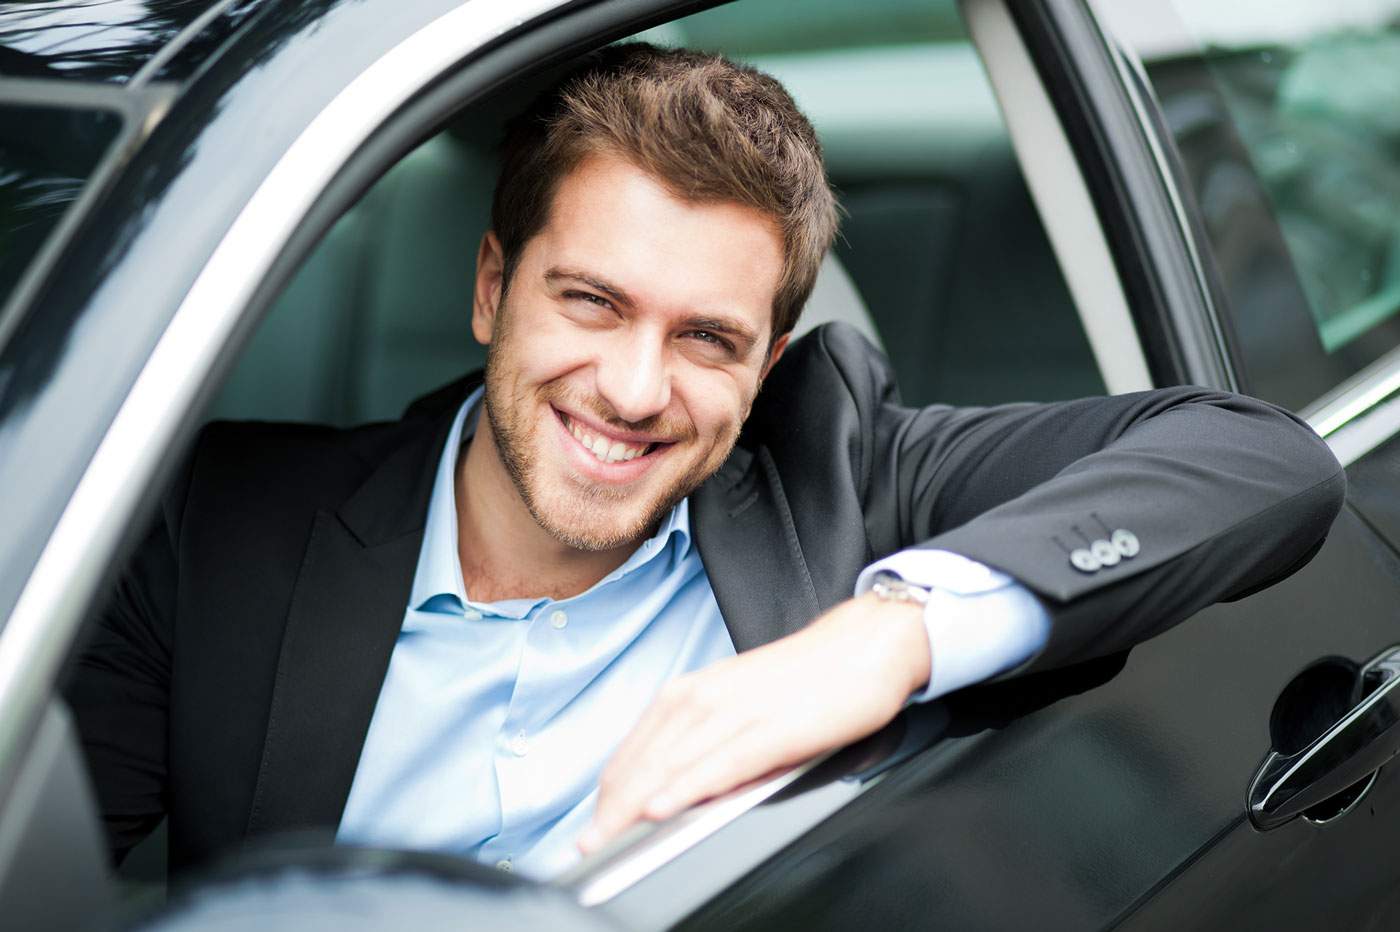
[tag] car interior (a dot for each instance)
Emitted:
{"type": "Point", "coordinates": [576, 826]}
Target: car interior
{"type": "Point", "coordinates": [941, 257]}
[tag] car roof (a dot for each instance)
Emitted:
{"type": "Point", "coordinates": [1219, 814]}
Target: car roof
{"type": "Point", "coordinates": [117, 41]}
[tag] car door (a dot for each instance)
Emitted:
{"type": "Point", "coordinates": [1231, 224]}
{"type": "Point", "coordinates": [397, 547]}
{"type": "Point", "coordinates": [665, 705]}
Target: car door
{"type": "Point", "coordinates": [1278, 123]}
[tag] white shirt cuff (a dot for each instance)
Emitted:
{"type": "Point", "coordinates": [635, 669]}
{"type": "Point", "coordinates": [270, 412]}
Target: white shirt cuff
{"type": "Point", "coordinates": [979, 621]}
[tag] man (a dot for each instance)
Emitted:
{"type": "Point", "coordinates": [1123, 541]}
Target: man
{"type": "Point", "coordinates": [506, 625]}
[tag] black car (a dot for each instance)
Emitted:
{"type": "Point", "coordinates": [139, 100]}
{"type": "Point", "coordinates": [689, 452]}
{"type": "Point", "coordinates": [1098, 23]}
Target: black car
{"type": "Point", "coordinates": [268, 209]}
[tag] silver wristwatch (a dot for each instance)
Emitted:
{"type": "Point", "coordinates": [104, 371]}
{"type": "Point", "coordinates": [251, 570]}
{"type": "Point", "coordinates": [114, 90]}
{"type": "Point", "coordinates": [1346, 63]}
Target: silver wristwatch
{"type": "Point", "coordinates": [895, 588]}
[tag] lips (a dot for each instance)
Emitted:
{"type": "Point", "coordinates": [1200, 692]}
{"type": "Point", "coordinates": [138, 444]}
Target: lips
{"type": "Point", "coordinates": [606, 449]}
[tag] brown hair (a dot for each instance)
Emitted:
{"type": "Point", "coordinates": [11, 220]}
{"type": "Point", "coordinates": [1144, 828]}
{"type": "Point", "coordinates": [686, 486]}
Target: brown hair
{"type": "Point", "coordinates": [710, 130]}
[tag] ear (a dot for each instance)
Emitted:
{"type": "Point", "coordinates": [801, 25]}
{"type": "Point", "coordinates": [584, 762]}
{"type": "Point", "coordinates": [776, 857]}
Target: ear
{"type": "Point", "coordinates": [490, 279]}
{"type": "Point", "coordinates": [779, 345]}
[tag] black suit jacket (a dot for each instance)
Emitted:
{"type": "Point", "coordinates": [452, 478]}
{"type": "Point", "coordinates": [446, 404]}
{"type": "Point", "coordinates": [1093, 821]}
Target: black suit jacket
{"type": "Point", "coordinates": [232, 677]}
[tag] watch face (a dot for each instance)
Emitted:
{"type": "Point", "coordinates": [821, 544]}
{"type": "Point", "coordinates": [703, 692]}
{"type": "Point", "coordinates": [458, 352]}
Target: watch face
{"type": "Point", "coordinates": [891, 587]}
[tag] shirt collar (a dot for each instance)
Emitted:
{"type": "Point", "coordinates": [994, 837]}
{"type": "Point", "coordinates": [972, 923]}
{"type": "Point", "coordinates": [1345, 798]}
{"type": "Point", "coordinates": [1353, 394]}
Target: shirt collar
{"type": "Point", "coordinates": [439, 571]}
{"type": "Point", "coordinates": [437, 583]}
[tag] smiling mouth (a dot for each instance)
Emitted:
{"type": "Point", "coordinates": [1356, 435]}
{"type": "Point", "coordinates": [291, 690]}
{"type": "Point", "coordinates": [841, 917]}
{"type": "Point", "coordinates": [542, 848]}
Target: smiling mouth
{"type": "Point", "coordinates": [605, 450]}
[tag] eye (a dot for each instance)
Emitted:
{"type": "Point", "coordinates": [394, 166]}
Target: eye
{"type": "Point", "coordinates": [588, 297]}
{"type": "Point", "coordinates": [714, 339]}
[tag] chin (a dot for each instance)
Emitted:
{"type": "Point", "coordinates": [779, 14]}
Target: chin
{"type": "Point", "coordinates": [598, 522]}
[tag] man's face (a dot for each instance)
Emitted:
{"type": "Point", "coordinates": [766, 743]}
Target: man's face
{"type": "Point", "coordinates": [627, 352]}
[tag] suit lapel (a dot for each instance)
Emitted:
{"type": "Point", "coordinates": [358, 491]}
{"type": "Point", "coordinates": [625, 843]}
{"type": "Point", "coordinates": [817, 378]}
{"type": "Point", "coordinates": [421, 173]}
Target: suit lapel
{"type": "Point", "coordinates": [346, 612]}
{"type": "Point", "coordinates": [748, 543]}
{"type": "Point", "coordinates": [781, 527]}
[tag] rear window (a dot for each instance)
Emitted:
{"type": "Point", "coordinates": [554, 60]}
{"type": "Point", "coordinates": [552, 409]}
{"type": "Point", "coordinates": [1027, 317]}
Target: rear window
{"type": "Point", "coordinates": [1287, 117]}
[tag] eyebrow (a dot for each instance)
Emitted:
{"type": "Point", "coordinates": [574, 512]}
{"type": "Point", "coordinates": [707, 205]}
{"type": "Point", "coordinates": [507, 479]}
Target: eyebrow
{"type": "Point", "coordinates": [613, 292]}
{"type": "Point", "coordinates": [725, 325]}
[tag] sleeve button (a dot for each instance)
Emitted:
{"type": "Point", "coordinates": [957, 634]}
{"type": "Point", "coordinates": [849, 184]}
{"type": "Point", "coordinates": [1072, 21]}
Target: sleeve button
{"type": "Point", "coordinates": [1126, 543]}
{"type": "Point", "coordinates": [1084, 561]}
{"type": "Point", "coordinates": [1104, 552]}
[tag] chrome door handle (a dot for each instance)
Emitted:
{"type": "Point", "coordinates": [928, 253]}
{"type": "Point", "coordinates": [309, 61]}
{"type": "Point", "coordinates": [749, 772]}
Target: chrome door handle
{"type": "Point", "coordinates": [1356, 746]}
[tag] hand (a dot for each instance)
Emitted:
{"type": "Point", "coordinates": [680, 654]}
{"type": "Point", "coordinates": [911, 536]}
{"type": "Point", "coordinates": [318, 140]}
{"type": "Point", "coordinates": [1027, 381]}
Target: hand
{"type": "Point", "coordinates": [839, 679]}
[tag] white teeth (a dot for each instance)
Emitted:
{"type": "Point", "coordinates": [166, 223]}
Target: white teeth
{"type": "Point", "coordinates": [608, 452]}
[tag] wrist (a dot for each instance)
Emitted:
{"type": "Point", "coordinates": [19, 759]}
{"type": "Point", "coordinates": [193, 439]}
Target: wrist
{"type": "Point", "coordinates": [898, 627]}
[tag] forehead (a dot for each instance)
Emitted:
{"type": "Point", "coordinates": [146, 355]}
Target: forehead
{"type": "Point", "coordinates": [623, 225]}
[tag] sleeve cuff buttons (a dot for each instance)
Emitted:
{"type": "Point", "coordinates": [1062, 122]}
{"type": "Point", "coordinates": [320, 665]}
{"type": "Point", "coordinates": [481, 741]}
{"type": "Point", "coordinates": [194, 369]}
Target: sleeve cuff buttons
{"type": "Point", "coordinates": [1121, 545]}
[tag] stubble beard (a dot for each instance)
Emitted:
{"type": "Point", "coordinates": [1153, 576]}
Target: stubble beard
{"type": "Point", "coordinates": [587, 516]}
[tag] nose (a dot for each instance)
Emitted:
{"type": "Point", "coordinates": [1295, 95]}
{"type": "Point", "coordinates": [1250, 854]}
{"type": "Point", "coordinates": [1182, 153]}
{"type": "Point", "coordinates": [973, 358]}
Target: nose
{"type": "Point", "coordinates": [633, 377]}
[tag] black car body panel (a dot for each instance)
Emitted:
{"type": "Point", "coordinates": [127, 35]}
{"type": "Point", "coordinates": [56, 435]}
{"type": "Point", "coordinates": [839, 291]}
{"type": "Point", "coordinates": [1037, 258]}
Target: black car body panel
{"type": "Point", "coordinates": [107, 42]}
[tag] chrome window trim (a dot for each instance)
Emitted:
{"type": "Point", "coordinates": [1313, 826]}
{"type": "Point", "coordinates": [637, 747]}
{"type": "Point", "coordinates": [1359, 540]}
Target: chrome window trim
{"type": "Point", "coordinates": [49, 609]}
{"type": "Point", "coordinates": [1355, 438]}
{"type": "Point", "coordinates": [602, 877]}
{"type": "Point", "coordinates": [1359, 414]}
{"type": "Point", "coordinates": [1351, 399]}
{"type": "Point", "coordinates": [1061, 196]}
{"type": "Point", "coordinates": [1133, 75]}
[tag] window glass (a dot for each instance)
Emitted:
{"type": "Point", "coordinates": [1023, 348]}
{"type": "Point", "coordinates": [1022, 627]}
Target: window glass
{"type": "Point", "coordinates": [46, 156]}
{"type": "Point", "coordinates": [1287, 116]}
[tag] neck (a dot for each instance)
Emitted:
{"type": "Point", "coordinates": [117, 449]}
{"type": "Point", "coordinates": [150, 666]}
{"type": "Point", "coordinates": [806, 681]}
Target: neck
{"type": "Point", "coordinates": [503, 551]}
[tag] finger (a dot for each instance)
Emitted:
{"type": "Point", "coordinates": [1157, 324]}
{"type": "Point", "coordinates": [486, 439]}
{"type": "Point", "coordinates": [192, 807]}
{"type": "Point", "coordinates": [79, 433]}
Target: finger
{"type": "Point", "coordinates": [698, 743]}
{"type": "Point", "coordinates": [663, 715]}
{"type": "Point", "coordinates": [642, 765]}
{"type": "Point", "coordinates": [741, 758]}
{"type": "Point", "coordinates": [687, 728]}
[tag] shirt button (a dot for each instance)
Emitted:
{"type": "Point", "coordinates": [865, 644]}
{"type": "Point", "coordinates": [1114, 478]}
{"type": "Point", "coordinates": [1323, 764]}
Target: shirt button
{"type": "Point", "coordinates": [558, 619]}
{"type": "Point", "coordinates": [504, 866]}
{"type": "Point", "coordinates": [471, 614]}
{"type": "Point", "coordinates": [520, 747]}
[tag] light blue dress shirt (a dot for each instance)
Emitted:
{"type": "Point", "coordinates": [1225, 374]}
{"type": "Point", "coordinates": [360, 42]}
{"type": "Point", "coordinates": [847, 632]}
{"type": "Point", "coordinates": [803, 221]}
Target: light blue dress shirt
{"type": "Point", "coordinates": [496, 719]}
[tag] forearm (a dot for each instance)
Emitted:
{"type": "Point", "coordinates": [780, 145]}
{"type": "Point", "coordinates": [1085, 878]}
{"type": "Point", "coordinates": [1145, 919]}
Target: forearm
{"type": "Point", "coordinates": [1221, 494]}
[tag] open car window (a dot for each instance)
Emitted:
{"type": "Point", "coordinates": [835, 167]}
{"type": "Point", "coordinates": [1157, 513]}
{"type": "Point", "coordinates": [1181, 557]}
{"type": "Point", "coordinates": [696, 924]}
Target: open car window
{"type": "Point", "coordinates": [942, 257]}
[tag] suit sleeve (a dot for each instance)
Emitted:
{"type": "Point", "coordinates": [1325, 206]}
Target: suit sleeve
{"type": "Point", "coordinates": [1224, 495]}
{"type": "Point", "coordinates": [118, 686]}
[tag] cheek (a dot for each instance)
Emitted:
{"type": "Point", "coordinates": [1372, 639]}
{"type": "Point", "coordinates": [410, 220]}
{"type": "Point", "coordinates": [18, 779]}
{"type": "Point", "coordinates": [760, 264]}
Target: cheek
{"type": "Point", "coordinates": [541, 351]}
{"type": "Point", "coordinates": [718, 404]}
